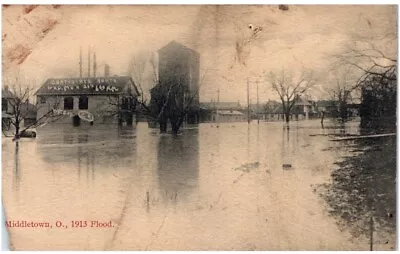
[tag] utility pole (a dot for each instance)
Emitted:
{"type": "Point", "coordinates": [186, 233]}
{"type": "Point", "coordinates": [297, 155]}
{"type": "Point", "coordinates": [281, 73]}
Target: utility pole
{"type": "Point", "coordinates": [89, 61]}
{"type": "Point", "coordinates": [217, 104]}
{"type": "Point", "coordinates": [248, 102]}
{"type": "Point", "coordinates": [94, 64]}
{"type": "Point", "coordinates": [258, 120]}
{"type": "Point", "coordinates": [80, 62]}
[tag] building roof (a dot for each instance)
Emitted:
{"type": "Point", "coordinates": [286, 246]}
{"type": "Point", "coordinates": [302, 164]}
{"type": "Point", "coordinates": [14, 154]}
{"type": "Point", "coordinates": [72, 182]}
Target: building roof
{"type": "Point", "coordinates": [272, 106]}
{"type": "Point", "coordinates": [229, 112]}
{"type": "Point", "coordinates": [112, 85]}
{"type": "Point", "coordinates": [5, 93]}
{"type": "Point", "coordinates": [301, 101]}
{"type": "Point", "coordinates": [176, 45]}
{"type": "Point", "coordinates": [326, 103]}
{"type": "Point", "coordinates": [221, 105]}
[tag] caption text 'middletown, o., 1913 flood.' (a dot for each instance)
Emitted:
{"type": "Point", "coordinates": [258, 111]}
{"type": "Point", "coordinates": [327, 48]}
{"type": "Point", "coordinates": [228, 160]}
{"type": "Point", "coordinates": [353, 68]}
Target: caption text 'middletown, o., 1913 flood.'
{"type": "Point", "coordinates": [59, 224]}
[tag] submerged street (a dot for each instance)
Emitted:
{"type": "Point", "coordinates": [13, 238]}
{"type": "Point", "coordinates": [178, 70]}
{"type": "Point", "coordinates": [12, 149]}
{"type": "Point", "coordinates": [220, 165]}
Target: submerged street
{"type": "Point", "coordinates": [235, 186]}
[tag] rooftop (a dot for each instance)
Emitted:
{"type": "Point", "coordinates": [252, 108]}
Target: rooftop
{"type": "Point", "coordinates": [87, 85]}
{"type": "Point", "coordinates": [5, 93]}
{"type": "Point", "coordinates": [221, 105]}
{"type": "Point", "coordinates": [229, 112]}
{"type": "Point", "coordinates": [176, 45]}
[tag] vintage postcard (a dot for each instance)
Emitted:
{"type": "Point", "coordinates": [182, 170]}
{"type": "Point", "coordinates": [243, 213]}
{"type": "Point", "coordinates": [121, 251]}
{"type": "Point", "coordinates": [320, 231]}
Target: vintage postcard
{"type": "Point", "coordinates": [199, 127]}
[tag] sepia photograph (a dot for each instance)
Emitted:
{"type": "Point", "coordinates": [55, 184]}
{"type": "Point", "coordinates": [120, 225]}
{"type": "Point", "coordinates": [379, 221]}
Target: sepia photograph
{"type": "Point", "coordinates": [199, 127]}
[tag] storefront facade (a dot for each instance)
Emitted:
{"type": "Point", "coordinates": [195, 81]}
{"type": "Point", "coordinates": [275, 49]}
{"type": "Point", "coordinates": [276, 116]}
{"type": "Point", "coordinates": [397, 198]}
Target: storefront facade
{"type": "Point", "coordinates": [108, 99]}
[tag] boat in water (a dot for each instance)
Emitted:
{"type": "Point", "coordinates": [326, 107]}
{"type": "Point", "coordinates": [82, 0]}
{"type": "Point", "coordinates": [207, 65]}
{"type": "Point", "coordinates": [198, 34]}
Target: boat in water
{"type": "Point", "coordinates": [86, 116]}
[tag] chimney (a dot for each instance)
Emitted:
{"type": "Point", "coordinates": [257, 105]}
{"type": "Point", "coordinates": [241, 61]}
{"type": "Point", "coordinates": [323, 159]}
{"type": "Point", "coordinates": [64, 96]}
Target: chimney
{"type": "Point", "coordinates": [80, 62]}
{"type": "Point", "coordinates": [94, 64]}
{"type": "Point", "coordinates": [106, 70]}
{"type": "Point", "coordinates": [89, 61]}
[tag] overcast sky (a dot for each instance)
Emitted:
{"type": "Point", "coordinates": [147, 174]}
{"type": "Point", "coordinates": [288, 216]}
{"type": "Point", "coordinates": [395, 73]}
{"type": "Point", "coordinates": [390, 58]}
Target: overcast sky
{"type": "Point", "coordinates": [301, 37]}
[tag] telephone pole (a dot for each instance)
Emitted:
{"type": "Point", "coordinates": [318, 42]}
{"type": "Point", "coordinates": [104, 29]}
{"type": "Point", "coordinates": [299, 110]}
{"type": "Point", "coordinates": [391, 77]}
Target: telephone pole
{"type": "Point", "coordinates": [248, 102]}
{"type": "Point", "coordinates": [217, 106]}
{"type": "Point", "coordinates": [258, 120]}
{"type": "Point", "coordinates": [89, 61]}
{"type": "Point", "coordinates": [80, 62]}
{"type": "Point", "coordinates": [94, 64]}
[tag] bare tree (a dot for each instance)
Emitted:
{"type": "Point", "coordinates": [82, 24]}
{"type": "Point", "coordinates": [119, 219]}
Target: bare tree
{"type": "Point", "coordinates": [345, 84]}
{"type": "Point", "coordinates": [19, 100]}
{"type": "Point", "coordinates": [375, 58]}
{"type": "Point", "coordinates": [172, 100]}
{"type": "Point", "coordinates": [289, 88]}
{"type": "Point", "coordinates": [371, 58]}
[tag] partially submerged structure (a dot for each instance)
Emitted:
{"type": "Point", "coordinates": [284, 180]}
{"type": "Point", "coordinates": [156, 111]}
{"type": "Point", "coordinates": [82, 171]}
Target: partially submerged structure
{"type": "Point", "coordinates": [10, 106]}
{"type": "Point", "coordinates": [108, 99]}
{"type": "Point", "coordinates": [175, 99]}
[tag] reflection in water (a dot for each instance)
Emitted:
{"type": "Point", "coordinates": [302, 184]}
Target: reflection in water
{"type": "Point", "coordinates": [178, 165]}
{"type": "Point", "coordinates": [107, 173]}
{"type": "Point", "coordinates": [290, 143]}
{"type": "Point", "coordinates": [126, 132]}
{"type": "Point", "coordinates": [88, 150]}
{"type": "Point", "coordinates": [286, 153]}
{"type": "Point", "coordinates": [17, 168]}
{"type": "Point", "coordinates": [83, 138]}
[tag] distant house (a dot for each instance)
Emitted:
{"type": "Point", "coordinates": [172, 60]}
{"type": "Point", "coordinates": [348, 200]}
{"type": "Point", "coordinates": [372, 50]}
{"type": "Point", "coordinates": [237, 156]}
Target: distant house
{"type": "Point", "coordinates": [27, 110]}
{"type": "Point", "coordinates": [304, 108]}
{"type": "Point", "coordinates": [257, 111]}
{"type": "Point", "coordinates": [6, 108]}
{"type": "Point", "coordinates": [273, 111]}
{"type": "Point", "coordinates": [222, 105]}
{"type": "Point", "coordinates": [301, 110]}
{"type": "Point", "coordinates": [222, 116]}
{"type": "Point", "coordinates": [109, 99]}
{"type": "Point", "coordinates": [6, 96]}
{"type": "Point", "coordinates": [328, 107]}
{"type": "Point", "coordinates": [212, 111]}
{"type": "Point", "coordinates": [331, 108]}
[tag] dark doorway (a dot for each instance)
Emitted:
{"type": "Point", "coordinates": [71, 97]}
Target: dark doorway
{"type": "Point", "coordinates": [83, 102]}
{"type": "Point", "coordinates": [68, 103]}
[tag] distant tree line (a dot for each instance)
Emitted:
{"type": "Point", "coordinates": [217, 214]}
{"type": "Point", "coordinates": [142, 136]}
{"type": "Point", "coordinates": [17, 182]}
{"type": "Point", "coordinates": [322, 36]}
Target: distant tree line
{"type": "Point", "coordinates": [379, 102]}
{"type": "Point", "coordinates": [376, 81]}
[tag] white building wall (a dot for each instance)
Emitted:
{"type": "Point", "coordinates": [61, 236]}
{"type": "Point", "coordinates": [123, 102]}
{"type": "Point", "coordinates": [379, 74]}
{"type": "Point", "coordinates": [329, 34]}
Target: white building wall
{"type": "Point", "coordinates": [100, 106]}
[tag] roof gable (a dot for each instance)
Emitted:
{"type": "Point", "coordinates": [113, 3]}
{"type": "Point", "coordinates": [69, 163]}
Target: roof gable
{"type": "Point", "coordinates": [221, 105]}
{"type": "Point", "coordinates": [5, 93]}
{"type": "Point", "coordinates": [174, 45]}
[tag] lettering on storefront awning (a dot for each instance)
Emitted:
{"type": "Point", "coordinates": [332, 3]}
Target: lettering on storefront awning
{"type": "Point", "coordinates": [98, 85]}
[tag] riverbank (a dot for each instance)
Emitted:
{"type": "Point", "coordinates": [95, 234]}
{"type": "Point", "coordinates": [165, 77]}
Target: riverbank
{"type": "Point", "coordinates": [363, 186]}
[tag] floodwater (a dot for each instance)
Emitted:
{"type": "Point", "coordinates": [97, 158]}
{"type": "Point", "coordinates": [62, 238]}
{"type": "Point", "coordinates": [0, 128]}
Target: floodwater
{"type": "Point", "coordinates": [237, 186]}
